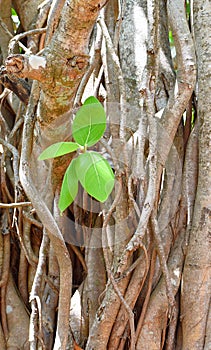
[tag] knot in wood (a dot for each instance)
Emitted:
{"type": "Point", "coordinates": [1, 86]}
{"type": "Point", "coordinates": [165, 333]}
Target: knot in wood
{"type": "Point", "coordinates": [14, 64]}
{"type": "Point", "coordinates": [79, 61]}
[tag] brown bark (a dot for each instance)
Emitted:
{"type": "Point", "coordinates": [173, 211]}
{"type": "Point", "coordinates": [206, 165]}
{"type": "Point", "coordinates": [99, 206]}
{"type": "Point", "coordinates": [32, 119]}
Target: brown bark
{"type": "Point", "coordinates": [123, 260]}
{"type": "Point", "coordinates": [197, 272]}
{"type": "Point", "coordinates": [6, 27]}
{"type": "Point", "coordinates": [159, 311]}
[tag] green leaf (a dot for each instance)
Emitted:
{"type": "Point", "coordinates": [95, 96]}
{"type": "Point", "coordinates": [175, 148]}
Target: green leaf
{"type": "Point", "coordinates": [14, 13]}
{"type": "Point", "coordinates": [69, 188]}
{"type": "Point", "coordinates": [15, 19]}
{"type": "Point", "coordinates": [91, 100]}
{"type": "Point", "coordinates": [95, 175]}
{"type": "Point", "coordinates": [89, 123]}
{"type": "Point", "coordinates": [58, 149]}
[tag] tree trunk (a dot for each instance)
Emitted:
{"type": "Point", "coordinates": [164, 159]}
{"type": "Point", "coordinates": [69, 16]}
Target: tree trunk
{"type": "Point", "coordinates": [132, 272]}
{"type": "Point", "coordinates": [197, 271]}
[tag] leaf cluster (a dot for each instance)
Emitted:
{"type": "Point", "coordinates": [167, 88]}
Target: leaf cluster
{"type": "Point", "coordinates": [89, 168]}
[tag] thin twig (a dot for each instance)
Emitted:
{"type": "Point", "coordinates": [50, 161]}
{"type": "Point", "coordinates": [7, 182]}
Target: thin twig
{"type": "Point", "coordinates": [105, 3]}
{"type": "Point", "coordinates": [119, 23]}
{"type": "Point", "coordinates": [133, 291]}
{"type": "Point", "coordinates": [4, 94]}
{"type": "Point", "coordinates": [36, 288]}
{"type": "Point", "coordinates": [98, 80]}
{"type": "Point", "coordinates": [3, 25]}
{"type": "Point", "coordinates": [185, 76]}
{"type": "Point", "coordinates": [110, 151]}
{"type": "Point", "coordinates": [5, 276]}
{"type": "Point", "coordinates": [15, 154]}
{"type": "Point", "coordinates": [31, 259]}
{"type": "Point", "coordinates": [15, 205]}
{"type": "Point", "coordinates": [32, 220]}
{"type": "Point", "coordinates": [162, 258]}
{"type": "Point", "coordinates": [18, 85]}
{"type": "Point", "coordinates": [172, 326]}
{"type": "Point", "coordinates": [23, 277]}
{"type": "Point", "coordinates": [16, 39]}
{"type": "Point", "coordinates": [146, 300]}
{"type": "Point", "coordinates": [4, 187]}
{"type": "Point", "coordinates": [39, 307]}
{"type": "Point", "coordinates": [107, 218]}
{"type": "Point", "coordinates": [135, 264]}
{"type": "Point", "coordinates": [114, 204]}
{"type": "Point", "coordinates": [132, 197]}
{"type": "Point", "coordinates": [26, 234]}
{"type": "Point", "coordinates": [129, 311]}
{"type": "Point", "coordinates": [80, 257]}
{"type": "Point", "coordinates": [120, 78]}
{"type": "Point", "coordinates": [16, 127]}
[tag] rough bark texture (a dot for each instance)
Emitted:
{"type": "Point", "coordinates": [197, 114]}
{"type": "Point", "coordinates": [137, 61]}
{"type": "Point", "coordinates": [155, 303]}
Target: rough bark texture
{"type": "Point", "coordinates": [133, 272]}
{"type": "Point", "coordinates": [196, 290]}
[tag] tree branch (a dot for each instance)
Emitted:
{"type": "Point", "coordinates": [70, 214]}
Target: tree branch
{"type": "Point", "coordinates": [185, 78]}
{"type": "Point", "coordinates": [49, 223]}
{"type": "Point", "coordinates": [65, 58]}
{"type": "Point", "coordinates": [25, 66]}
{"type": "Point", "coordinates": [19, 86]}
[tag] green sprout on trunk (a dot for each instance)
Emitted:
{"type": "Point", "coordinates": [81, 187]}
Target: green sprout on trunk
{"type": "Point", "coordinates": [89, 168]}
